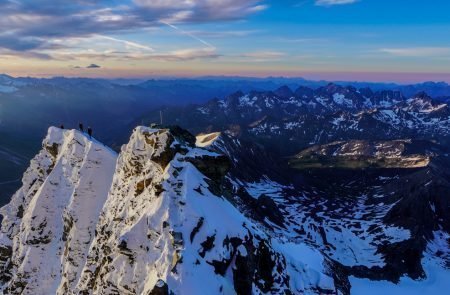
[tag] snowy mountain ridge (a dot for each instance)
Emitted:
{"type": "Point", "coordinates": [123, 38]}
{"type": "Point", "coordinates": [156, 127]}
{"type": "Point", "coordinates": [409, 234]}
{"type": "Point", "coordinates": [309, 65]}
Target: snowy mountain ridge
{"type": "Point", "coordinates": [309, 117]}
{"type": "Point", "coordinates": [157, 218]}
{"type": "Point", "coordinates": [49, 223]}
{"type": "Point", "coordinates": [216, 214]}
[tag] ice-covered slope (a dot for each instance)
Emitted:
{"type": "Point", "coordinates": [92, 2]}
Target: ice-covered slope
{"type": "Point", "coordinates": [50, 222]}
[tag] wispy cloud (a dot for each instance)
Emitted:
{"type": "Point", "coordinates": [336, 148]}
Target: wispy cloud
{"type": "Point", "coordinates": [30, 28]}
{"type": "Point", "coordinates": [224, 34]}
{"type": "Point", "coordinates": [171, 56]}
{"type": "Point", "coordinates": [185, 55]}
{"type": "Point", "coordinates": [200, 10]}
{"type": "Point", "coordinates": [263, 56]}
{"type": "Point", "coordinates": [334, 2]}
{"type": "Point", "coordinates": [189, 34]}
{"type": "Point", "coordinates": [417, 51]}
{"type": "Point", "coordinates": [127, 43]}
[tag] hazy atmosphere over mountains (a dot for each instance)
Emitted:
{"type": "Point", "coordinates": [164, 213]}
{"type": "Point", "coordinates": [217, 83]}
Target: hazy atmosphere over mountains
{"type": "Point", "coordinates": [224, 147]}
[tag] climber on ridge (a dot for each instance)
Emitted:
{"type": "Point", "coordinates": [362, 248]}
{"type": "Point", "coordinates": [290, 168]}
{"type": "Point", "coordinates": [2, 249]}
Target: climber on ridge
{"type": "Point", "coordinates": [89, 130]}
{"type": "Point", "coordinates": [80, 125]}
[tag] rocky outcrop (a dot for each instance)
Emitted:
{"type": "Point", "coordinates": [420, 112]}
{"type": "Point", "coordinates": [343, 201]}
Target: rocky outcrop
{"type": "Point", "coordinates": [159, 220]}
{"type": "Point", "coordinates": [357, 154]}
{"type": "Point", "coordinates": [174, 237]}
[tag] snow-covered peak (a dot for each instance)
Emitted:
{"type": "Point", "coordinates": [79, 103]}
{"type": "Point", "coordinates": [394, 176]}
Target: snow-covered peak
{"type": "Point", "coordinates": [340, 99]}
{"type": "Point", "coordinates": [160, 218]}
{"type": "Point", "coordinates": [50, 221]}
{"type": "Point", "coordinates": [424, 104]}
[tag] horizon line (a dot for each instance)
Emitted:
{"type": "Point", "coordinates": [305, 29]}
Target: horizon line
{"type": "Point", "coordinates": [371, 77]}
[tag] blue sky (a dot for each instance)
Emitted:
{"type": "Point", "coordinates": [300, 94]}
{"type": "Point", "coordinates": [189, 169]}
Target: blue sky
{"type": "Point", "coordinates": [332, 39]}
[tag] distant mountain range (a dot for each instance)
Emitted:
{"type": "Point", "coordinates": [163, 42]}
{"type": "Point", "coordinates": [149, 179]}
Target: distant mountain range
{"type": "Point", "coordinates": [307, 116]}
{"type": "Point", "coordinates": [113, 107]}
{"type": "Point", "coordinates": [221, 86]}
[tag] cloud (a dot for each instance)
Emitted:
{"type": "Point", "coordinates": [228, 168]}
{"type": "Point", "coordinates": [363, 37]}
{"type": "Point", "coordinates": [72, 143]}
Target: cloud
{"type": "Point", "coordinates": [176, 55]}
{"type": "Point", "coordinates": [263, 56]}
{"type": "Point", "coordinates": [7, 54]}
{"type": "Point", "coordinates": [334, 2]}
{"type": "Point", "coordinates": [200, 10]}
{"type": "Point", "coordinates": [417, 51]}
{"type": "Point", "coordinates": [185, 55]}
{"type": "Point", "coordinates": [189, 34]}
{"type": "Point", "coordinates": [127, 43]}
{"type": "Point", "coordinates": [224, 34]}
{"type": "Point", "coordinates": [34, 28]}
{"type": "Point", "coordinates": [93, 66]}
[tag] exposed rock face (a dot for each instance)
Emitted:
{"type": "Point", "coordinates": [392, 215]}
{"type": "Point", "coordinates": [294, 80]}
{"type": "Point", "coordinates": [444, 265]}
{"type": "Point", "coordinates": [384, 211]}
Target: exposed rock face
{"type": "Point", "coordinates": [365, 154]}
{"type": "Point", "coordinates": [181, 233]}
{"type": "Point", "coordinates": [160, 220]}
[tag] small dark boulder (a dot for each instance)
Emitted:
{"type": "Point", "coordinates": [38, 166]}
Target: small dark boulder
{"type": "Point", "coordinates": [160, 288]}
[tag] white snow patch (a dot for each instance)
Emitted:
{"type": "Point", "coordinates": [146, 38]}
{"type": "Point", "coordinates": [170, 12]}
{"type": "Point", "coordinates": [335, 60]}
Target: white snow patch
{"type": "Point", "coordinates": [206, 140]}
{"type": "Point", "coordinates": [437, 281]}
{"type": "Point", "coordinates": [342, 100]}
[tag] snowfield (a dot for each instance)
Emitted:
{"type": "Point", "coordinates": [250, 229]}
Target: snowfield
{"type": "Point", "coordinates": [437, 282]}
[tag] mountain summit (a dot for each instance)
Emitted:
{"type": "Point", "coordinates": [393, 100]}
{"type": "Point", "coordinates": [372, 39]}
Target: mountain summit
{"type": "Point", "coordinates": [161, 217]}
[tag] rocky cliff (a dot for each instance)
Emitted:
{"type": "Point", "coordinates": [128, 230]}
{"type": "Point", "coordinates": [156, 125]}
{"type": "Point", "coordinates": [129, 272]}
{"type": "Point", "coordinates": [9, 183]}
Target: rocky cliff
{"type": "Point", "coordinates": [161, 217]}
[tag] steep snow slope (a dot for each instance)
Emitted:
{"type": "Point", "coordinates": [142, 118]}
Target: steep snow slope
{"type": "Point", "coordinates": [355, 224]}
{"type": "Point", "coordinates": [51, 220]}
{"type": "Point", "coordinates": [168, 224]}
